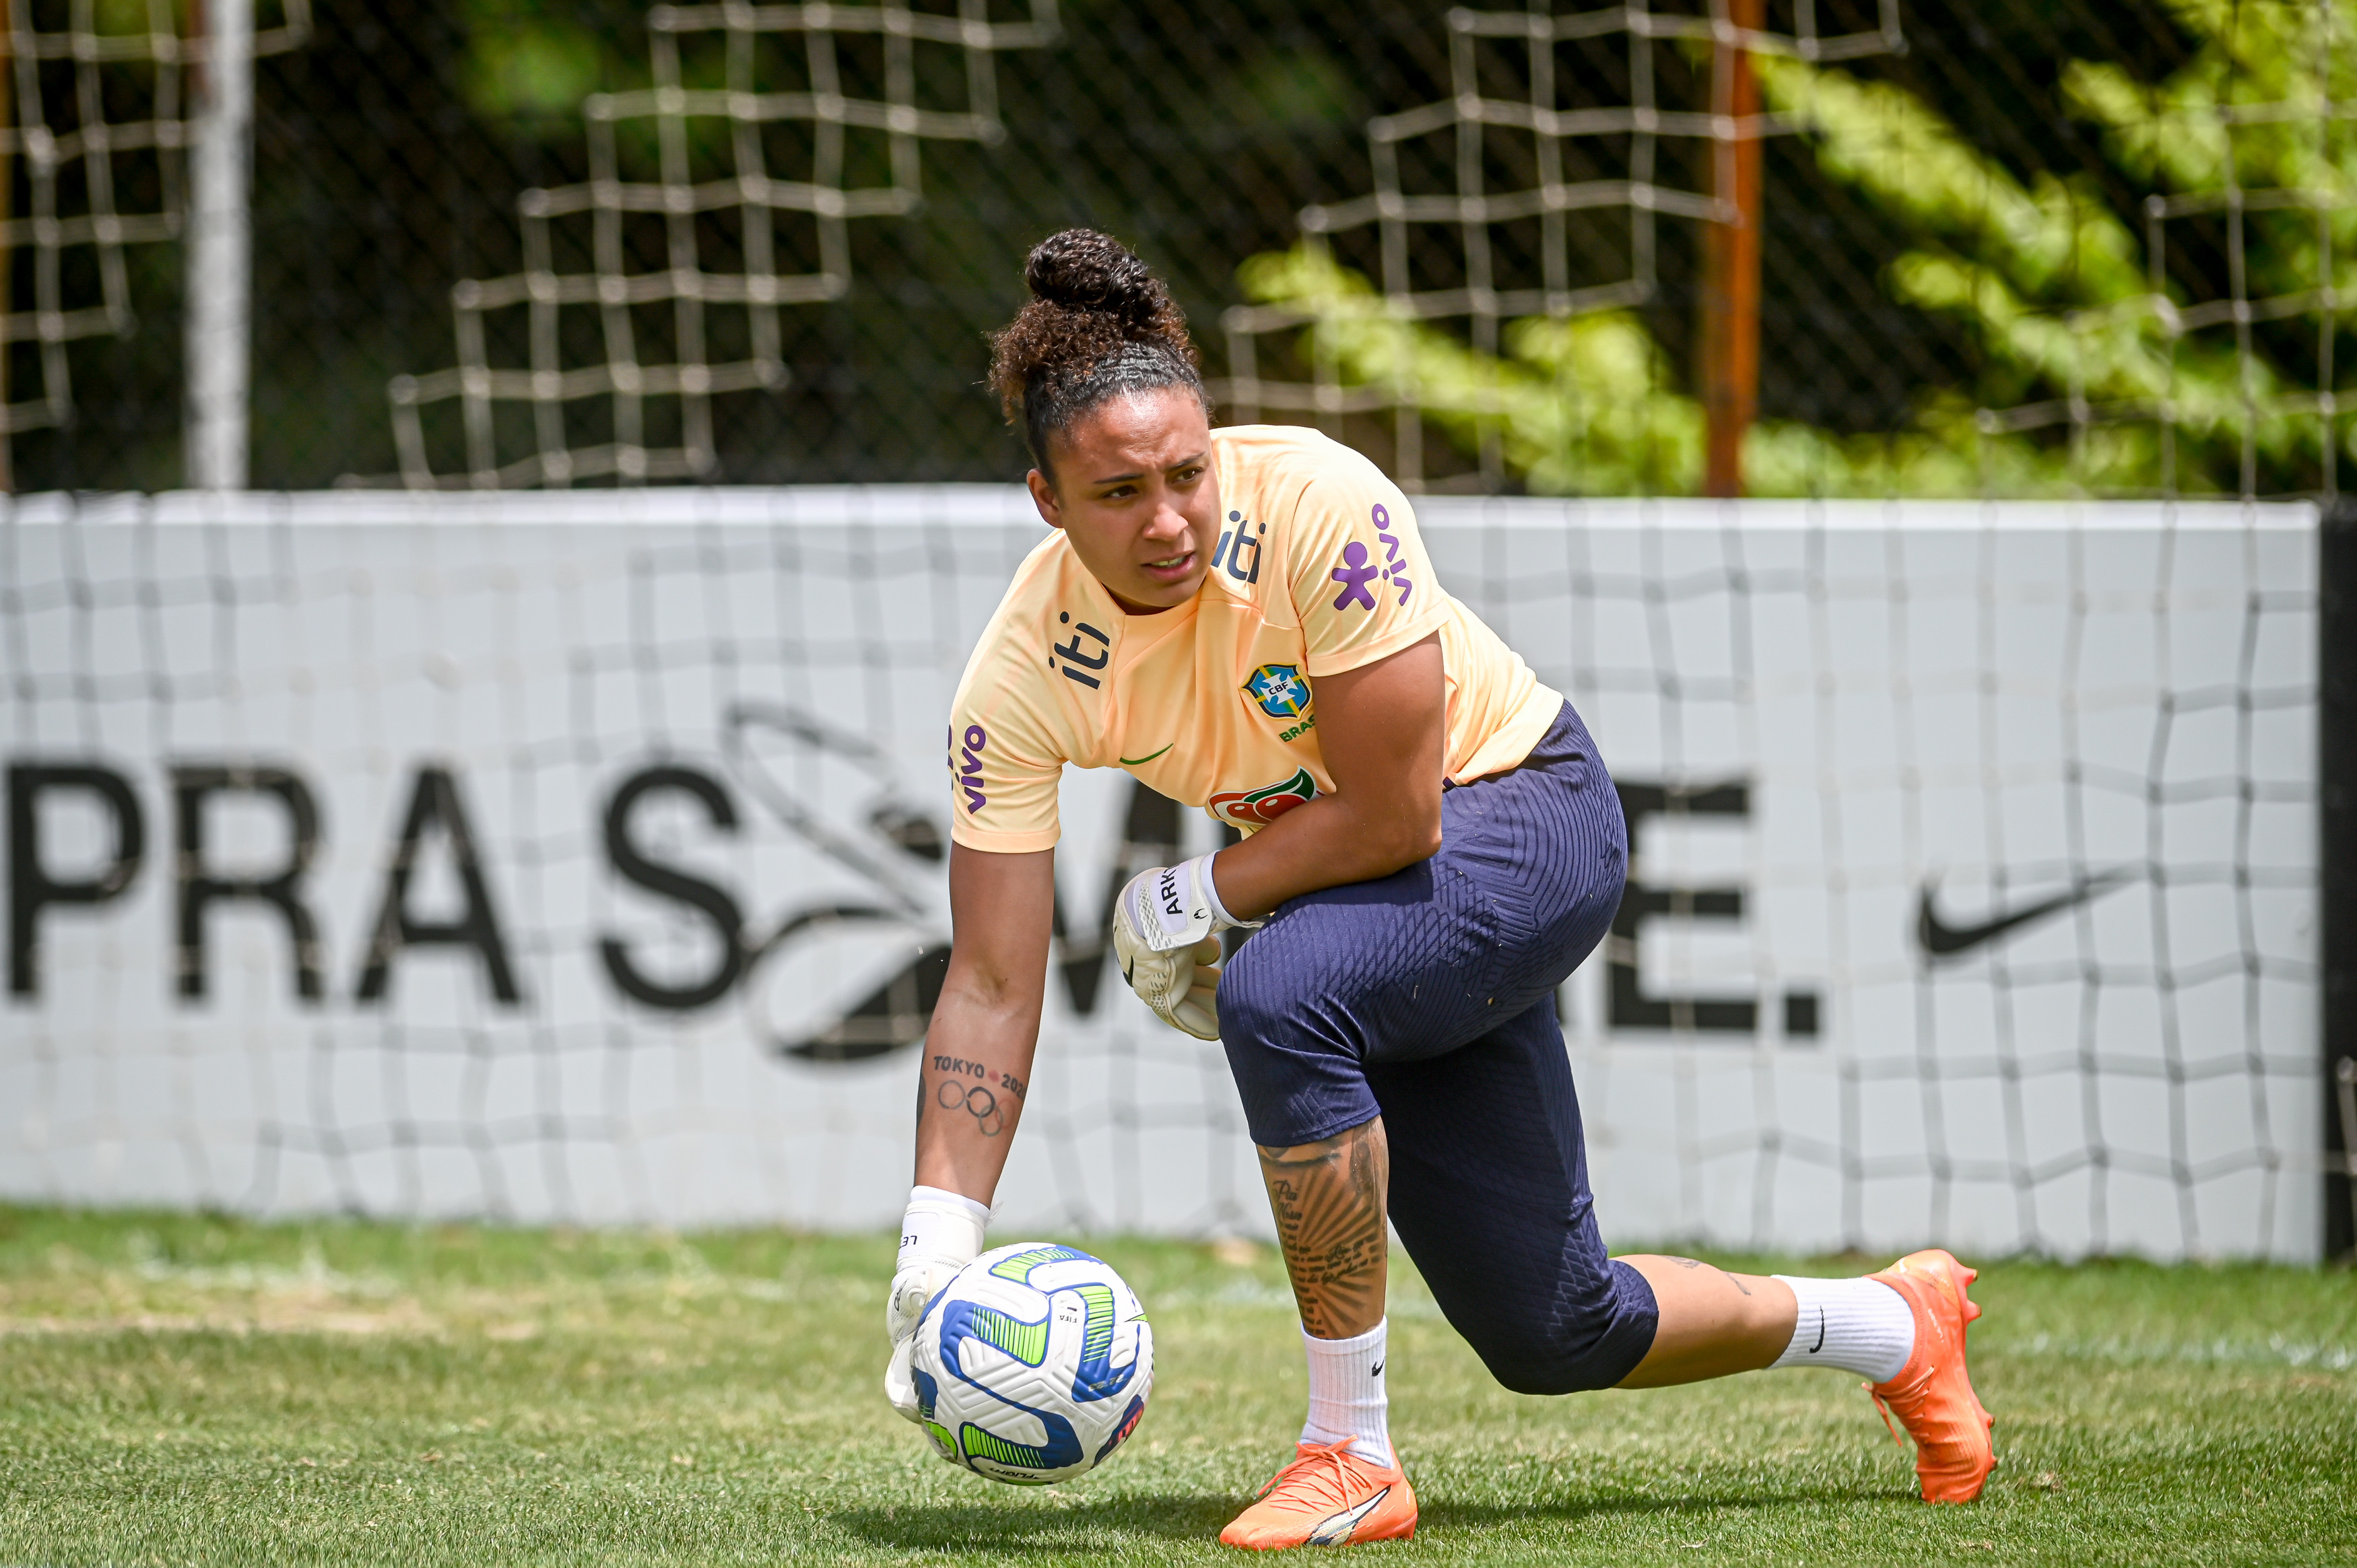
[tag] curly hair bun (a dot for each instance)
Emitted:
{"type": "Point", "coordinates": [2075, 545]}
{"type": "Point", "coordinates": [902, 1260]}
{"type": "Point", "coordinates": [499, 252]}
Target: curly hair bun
{"type": "Point", "coordinates": [1081, 269]}
{"type": "Point", "coordinates": [1100, 324]}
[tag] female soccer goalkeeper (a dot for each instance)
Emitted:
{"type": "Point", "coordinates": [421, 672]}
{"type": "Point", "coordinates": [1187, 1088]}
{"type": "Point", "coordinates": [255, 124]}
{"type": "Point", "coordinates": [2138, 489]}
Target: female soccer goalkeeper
{"type": "Point", "coordinates": [1246, 620]}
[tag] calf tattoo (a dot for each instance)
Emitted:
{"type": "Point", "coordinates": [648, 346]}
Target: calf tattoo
{"type": "Point", "coordinates": [1328, 1199]}
{"type": "Point", "coordinates": [989, 1096]}
{"type": "Point", "coordinates": [988, 1119]}
{"type": "Point", "coordinates": [1690, 1264]}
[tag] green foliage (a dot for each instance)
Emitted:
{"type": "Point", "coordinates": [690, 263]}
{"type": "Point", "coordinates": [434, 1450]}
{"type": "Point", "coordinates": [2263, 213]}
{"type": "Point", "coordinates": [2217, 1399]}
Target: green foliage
{"type": "Point", "coordinates": [531, 62]}
{"type": "Point", "coordinates": [1293, 92]}
{"type": "Point", "coordinates": [1586, 405]}
{"type": "Point", "coordinates": [535, 73]}
{"type": "Point", "coordinates": [2259, 59]}
{"type": "Point", "coordinates": [126, 19]}
{"type": "Point", "coordinates": [197, 1389]}
{"type": "Point", "coordinates": [2057, 289]}
{"type": "Point", "coordinates": [117, 19]}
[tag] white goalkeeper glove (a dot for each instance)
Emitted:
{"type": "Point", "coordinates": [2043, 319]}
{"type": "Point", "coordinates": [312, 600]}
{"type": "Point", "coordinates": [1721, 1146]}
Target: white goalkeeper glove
{"type": "Point", "coordinates": [1166, 926]}
{"type": "Point", "coordinates": [941, 1234]}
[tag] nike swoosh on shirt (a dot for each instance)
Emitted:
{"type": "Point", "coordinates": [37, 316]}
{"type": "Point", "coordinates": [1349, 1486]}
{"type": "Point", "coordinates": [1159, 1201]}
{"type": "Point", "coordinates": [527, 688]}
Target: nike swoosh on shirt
{"type": "Point", "coordinates": [1142, 761]}
{"type": "Point", "coordinates": [1940, 939]}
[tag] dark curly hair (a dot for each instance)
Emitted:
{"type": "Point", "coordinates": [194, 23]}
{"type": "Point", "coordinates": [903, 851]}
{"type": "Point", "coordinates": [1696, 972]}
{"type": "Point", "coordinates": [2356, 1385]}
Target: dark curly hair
{"type": "Point", "coordinates": [1099, 326]}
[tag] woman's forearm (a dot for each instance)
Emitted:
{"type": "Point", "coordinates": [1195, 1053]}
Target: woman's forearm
{"type": "Point", "coordinates": [1326, 843]}
{"type": "Point", "coordinates": [971, 1087]}
{"type": "Point", "coordinates": [977, 1052]}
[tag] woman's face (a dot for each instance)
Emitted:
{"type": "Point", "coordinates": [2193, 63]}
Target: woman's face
{"type": "Point", "coordinates": [1136, 494]}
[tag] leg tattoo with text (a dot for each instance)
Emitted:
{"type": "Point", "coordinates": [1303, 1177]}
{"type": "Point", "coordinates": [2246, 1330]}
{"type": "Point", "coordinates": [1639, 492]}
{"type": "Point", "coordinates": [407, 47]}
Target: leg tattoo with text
{"type": "Point", "coordinates": [1329, 1201]}
{"type": "Point", "coordinates": [991, 1097]}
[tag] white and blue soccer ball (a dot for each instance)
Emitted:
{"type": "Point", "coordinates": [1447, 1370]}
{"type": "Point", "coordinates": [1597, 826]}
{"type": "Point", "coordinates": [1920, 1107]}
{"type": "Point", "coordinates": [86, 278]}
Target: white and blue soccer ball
{"type": "Point", "coordinates": [1033, 1364]}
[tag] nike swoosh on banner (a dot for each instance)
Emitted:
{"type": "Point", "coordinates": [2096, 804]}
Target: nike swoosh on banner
{"type": "Point", "coordinates": [1337, 1530]}
{"type": "Point", "coordinates": [1142, 761]}
{"type": "Point", "coordinates": [1940, 939]}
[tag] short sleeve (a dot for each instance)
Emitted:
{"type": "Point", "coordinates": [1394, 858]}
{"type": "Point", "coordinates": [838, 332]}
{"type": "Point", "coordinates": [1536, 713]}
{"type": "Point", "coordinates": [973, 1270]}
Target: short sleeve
{"type": "Point", "coordinates": [1004, 773]}
{"type": "Point", "coordinates": [1361, 582]}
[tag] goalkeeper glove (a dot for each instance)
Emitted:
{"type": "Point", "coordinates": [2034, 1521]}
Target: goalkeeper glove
{"type": "Point", "coordinates": [941, 1234]}
{"type": "Point", "coordinates": [1165, 929]}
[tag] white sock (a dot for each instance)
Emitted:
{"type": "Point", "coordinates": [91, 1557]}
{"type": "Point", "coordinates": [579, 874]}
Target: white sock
{"type": "Point", "coordinates": [1346, 1393]}
{"type": "Point", "coordinates": [1860, 1326]}
{"type": "Point", "coordinates": [942, 1226]}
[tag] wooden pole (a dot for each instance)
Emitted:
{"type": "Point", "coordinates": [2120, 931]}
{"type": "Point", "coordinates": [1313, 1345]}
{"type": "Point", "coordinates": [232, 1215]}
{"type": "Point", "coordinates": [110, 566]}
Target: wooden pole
{"type": "Point", "coordinates": [1731, 301]}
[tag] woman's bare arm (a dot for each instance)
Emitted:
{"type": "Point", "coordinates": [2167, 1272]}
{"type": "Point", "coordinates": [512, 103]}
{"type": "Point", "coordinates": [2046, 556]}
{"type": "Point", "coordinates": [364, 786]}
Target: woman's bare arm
{"type": "Point", "coordinates": [1383, 728]}
{"type": "Point", "coordinates": [977, 1054]}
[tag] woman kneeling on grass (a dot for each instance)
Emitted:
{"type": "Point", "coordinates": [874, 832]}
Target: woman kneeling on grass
{"type": "Point", "coordinates": [1245, 620]}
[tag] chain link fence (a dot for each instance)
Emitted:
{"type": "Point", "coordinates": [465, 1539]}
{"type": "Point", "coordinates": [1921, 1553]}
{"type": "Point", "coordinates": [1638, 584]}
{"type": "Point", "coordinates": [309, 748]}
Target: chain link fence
{"type": "Point", "coordinates": [2001, 249]}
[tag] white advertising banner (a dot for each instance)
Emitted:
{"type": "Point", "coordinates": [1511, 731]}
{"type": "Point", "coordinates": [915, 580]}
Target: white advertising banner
{"type": "Point", "coordinates": [580, 856]}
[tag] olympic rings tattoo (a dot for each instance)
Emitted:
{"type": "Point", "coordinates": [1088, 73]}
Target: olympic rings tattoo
{"type": "Point", "coordinates": [980, 1101]}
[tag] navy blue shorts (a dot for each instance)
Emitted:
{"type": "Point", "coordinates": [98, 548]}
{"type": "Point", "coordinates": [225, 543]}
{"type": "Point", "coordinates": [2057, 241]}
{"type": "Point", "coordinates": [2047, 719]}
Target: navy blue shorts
{"type": "Point", "coordinates": [1427, 998]}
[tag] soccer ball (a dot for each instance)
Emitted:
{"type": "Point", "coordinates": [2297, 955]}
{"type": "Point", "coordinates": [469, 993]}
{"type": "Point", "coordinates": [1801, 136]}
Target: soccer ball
{"type": "Point", "coordinates": [1033, 1364]}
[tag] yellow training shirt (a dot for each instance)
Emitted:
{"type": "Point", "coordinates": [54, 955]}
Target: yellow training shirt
{"type": "Point", "coordinates": [1318, 569]}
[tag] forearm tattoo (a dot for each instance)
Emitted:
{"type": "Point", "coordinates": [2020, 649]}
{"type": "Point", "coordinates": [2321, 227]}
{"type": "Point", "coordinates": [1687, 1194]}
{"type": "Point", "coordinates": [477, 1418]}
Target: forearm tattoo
{"type": "Point", "coordinates": [1328, 1199]}
{"type": "Point", "coordinates": [991, 1097]}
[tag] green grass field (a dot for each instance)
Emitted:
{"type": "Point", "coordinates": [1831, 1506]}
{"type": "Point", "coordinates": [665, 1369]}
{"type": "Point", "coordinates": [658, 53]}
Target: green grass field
{"type": "Point", "coordinates": [193, 1389]}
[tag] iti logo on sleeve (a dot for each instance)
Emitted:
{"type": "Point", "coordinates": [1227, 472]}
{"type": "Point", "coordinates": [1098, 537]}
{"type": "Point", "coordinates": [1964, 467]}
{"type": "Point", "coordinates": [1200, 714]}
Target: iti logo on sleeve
{"type": "Point", "coordinates": [1280, 689]}
{"type": "Point", "coordinates": [1079, 660]}
{"type": "Point", "coordinates": [1258, 808]}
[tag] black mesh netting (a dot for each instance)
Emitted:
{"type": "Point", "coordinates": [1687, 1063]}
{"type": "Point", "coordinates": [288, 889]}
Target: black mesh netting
{"type": "Point", "coordinates": [393, 148]}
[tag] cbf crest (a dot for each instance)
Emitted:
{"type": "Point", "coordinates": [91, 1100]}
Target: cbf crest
{"type": "Point", "coordinates": [1280, 689]}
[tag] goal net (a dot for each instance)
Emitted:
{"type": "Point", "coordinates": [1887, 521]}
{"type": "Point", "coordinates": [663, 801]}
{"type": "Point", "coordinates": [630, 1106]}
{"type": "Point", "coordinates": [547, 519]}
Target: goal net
{"type": "Point", "coordinates": [1537, 190]}
{"type": "Point", "coordinates": [96, 104]}
{"type": "Point", "coordinates": [580, 857]}
{"type": "Point", "coordinates": [1484, 308]}
{"type": "Point", "coordinates": [718, 196]}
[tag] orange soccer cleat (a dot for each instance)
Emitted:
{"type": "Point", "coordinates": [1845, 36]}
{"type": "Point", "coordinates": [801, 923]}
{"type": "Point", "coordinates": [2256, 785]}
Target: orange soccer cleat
{"type": "Point", "coordinates": [1327, 1496]}
{"type": "Point", "coordinates": [1931, 1396]}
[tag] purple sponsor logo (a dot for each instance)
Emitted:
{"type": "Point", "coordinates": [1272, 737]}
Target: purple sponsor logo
{"type": "Point", "coordinates": [1394, 573]}
{"type": "Point", "coordinates": [970, 775]}
{"type": "Point", "coordinates": [1354, 575]}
